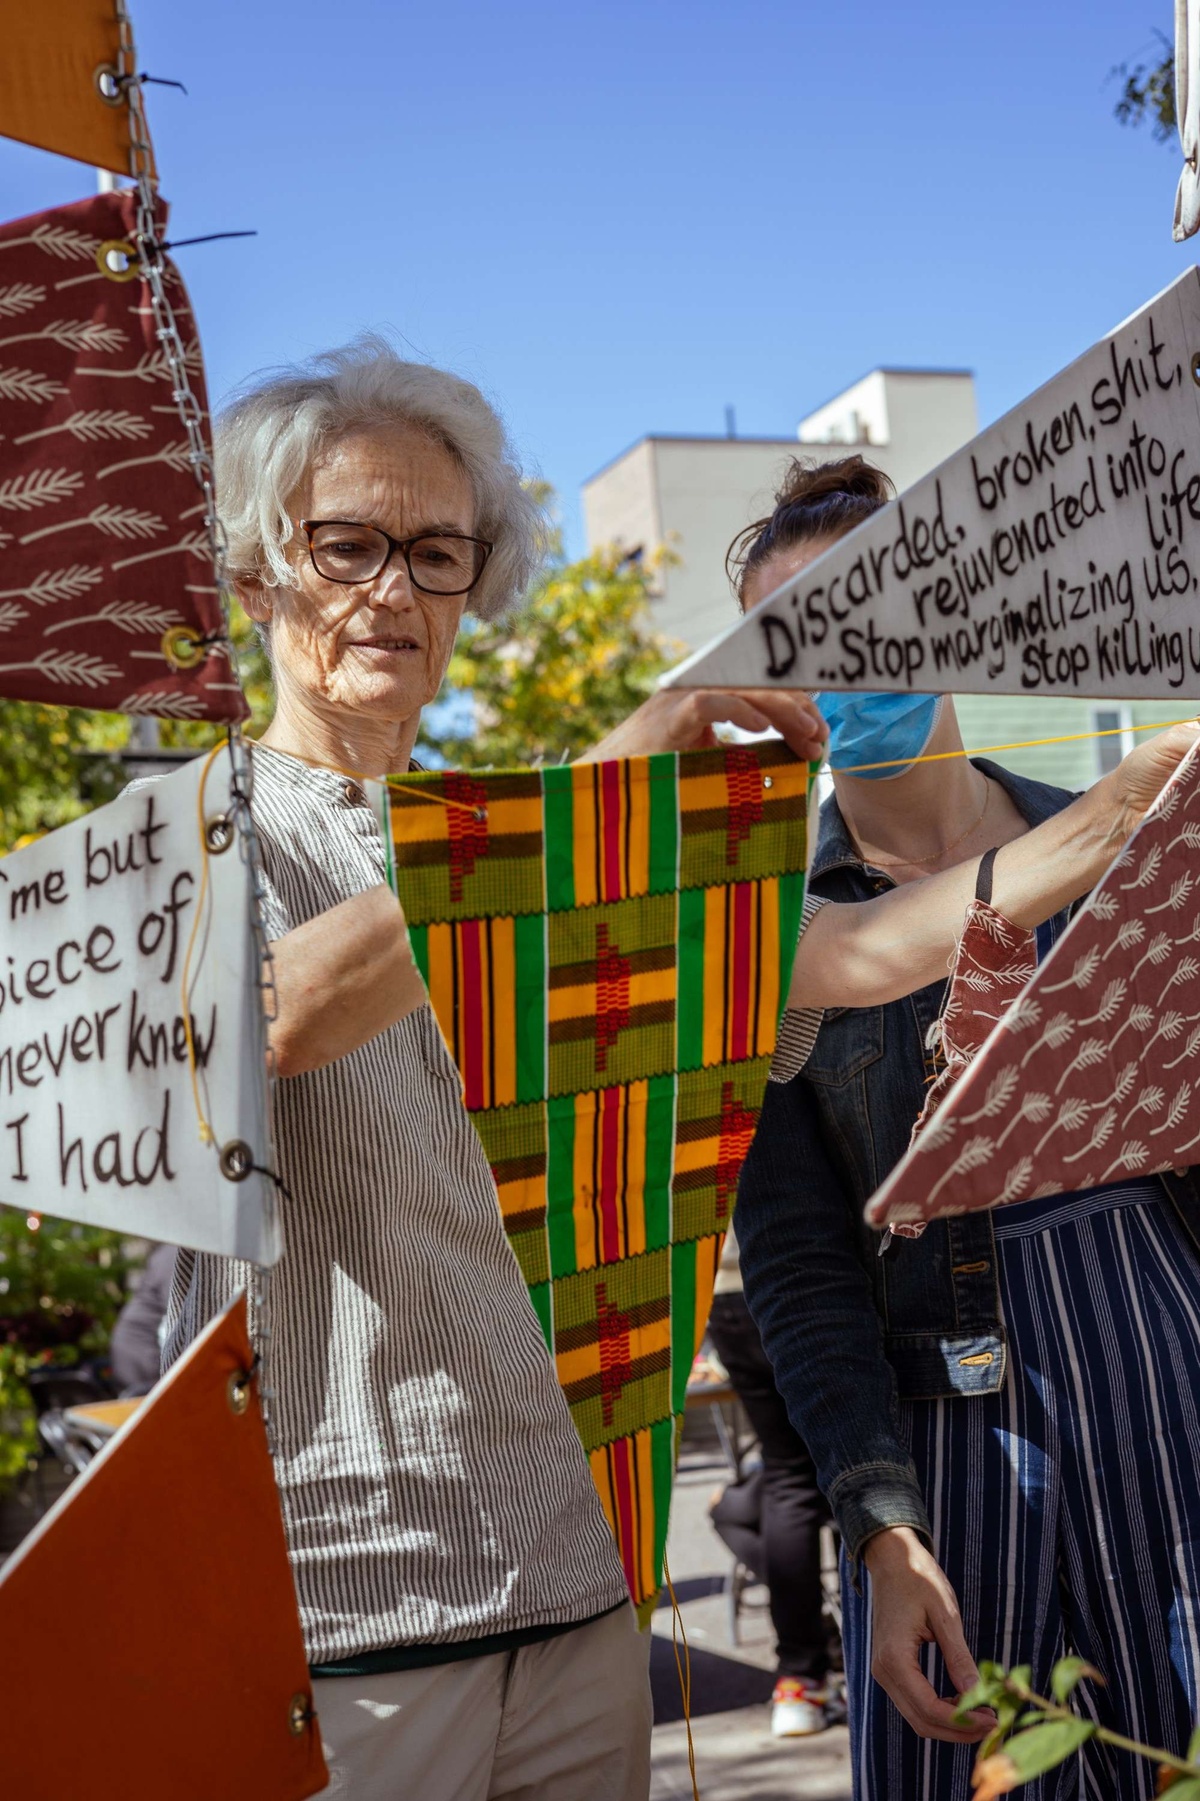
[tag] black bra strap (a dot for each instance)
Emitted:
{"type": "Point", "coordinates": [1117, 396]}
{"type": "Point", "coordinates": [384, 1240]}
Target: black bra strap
{"type": "Point", "coordinates": [983, 881]}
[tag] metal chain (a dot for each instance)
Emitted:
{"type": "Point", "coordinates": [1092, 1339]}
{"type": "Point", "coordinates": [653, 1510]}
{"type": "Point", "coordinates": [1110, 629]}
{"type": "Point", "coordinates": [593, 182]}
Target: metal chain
{"type": "Point", "coordinates": [154, 269]}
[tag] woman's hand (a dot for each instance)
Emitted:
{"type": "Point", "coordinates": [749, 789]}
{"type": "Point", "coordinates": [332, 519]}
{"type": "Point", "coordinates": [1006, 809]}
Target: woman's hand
{"type": "Point", "coordinates": [913, 1605]}
{"type": "Point", "coordinates": [1139, 778]}
{"type": "Point", "coordinates": [683, 719]}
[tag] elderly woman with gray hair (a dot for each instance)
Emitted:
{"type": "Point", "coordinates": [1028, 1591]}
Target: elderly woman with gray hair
{"type": "Point", "coordinates": [463, 1606]}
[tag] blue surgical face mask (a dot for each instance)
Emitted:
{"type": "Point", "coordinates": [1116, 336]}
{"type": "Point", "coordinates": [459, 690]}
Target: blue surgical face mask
{"type": "Point", "coordinates": [878, 728]}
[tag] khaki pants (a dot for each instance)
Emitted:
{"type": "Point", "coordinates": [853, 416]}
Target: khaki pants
{"type": "Point", "coordinates": [565, 1720]}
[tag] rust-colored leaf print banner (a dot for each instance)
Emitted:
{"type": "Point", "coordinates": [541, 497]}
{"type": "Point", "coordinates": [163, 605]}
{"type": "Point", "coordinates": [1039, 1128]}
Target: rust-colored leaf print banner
{"type": "Point", "coordinates": [1091, 1075]}
{"type": "Point", "coordinates": [102, 543]}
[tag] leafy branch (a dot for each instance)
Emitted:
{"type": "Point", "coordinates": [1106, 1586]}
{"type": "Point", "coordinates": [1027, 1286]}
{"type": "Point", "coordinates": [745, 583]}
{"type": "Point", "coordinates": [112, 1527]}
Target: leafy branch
{"type": "Point", "coordinates": [1034, 1733]}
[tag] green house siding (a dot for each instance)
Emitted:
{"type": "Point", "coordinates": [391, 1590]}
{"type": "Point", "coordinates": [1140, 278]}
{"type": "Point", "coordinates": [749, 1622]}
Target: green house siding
{"type": "Point", "coordinates": [995, 719]}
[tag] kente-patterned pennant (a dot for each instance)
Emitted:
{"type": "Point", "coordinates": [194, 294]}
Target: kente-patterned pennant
{"type": "Point", "coordinates": [607, 948]}
{"type": "Point", "coordinates": [1089, 1076]}
{"type": "Point", "coordinates": [107, 596]}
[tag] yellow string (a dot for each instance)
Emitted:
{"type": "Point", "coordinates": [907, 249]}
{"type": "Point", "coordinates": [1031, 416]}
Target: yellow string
{"type": "Point", "coordinates": [207, 1136]}
{"type": "Point", "coordinates": [685, 1679]}
{"type": "Point", "coordinates": [984, 750]}
{"type": "Point", "coordinates": [391, 781]}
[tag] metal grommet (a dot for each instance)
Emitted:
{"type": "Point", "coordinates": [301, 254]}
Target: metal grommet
{"type": "Point", "coordinates": [237, 1391]}
{"type": "Point", "coordinates": [117, 259]}
{"type": "Point", "coordinates": [236, 1160]}
{"type": "Point", "coordinates": [107, 78]}
{"type": "Point", "coordinates": [183, 647]}
{"type": "Point", "coordinates": [768, 781]}
{"type": "Point", "coordinates": [1196, 368]}
{"type": "Point", "coordinates": [218, 832]}
{"type": "Point", "coordinates": [300, 1712]}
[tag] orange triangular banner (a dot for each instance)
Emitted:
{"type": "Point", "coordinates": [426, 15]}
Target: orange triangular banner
{"type": "Point", "coordinates": [149, 1639]}
{"type": "Point", "coordinates": [60, 57]}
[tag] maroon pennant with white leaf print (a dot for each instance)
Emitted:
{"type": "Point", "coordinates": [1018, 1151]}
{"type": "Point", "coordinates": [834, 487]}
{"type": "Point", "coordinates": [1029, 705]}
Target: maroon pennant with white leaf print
{"type": "Point", "coordinates": [103, 551]}
{"type": "Point", "coordinates": [1091, 1075]}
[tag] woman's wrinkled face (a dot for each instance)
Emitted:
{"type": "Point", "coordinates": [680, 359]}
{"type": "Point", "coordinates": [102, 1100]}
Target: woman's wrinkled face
{"type": "Point", "coordinates": [377, 648]}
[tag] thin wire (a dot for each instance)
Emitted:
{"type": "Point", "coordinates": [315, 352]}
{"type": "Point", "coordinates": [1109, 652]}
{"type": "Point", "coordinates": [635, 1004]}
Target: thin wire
{"type": "Point", "coordinates": [684, 1672]}
{"type": "Point", "coordinates": [396, 784]}
{"type": "Point", "coordinates": [207, 1136]}
{"type": "Point", "coordinates": [943, 756]}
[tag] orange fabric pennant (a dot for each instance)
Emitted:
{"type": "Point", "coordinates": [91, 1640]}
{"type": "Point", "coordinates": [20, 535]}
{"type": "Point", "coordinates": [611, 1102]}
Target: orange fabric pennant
{"type": "Point", "coordinates": [56, 55]}
{"type": "Point", "coordinates": [149, 1638]}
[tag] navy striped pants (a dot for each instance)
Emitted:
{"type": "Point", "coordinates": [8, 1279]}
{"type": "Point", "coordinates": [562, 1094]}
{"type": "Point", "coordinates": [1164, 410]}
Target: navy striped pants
{"type": "Point", "coordinates": [1065, 1509]}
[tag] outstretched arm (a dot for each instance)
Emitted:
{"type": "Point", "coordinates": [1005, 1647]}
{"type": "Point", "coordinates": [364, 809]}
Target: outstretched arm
{"type": "Point", "coordinates": [869, 952]}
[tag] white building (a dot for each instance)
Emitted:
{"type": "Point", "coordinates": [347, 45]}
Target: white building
{"type": "Point", "coordinates": [696, 494]}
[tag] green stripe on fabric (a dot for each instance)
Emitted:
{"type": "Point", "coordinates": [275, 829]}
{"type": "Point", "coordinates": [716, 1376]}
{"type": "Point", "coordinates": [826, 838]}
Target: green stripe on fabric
{"type": "Point", "coordinates": [529, 1005]}
{"type": "Point", "coordinates": [558, 803]}
{"type": "Point", "coordinates": [660, 1159]}
{"type": "Point", "coordinates": [560, 1184]}
{"type": "Point", "coordinates": [791, 909]}
{"type": "Point", "coordinates": [689, 1002]}
{"type": "Point", "coordinates": [543, 1307]}
{"type": "Point", "coordinates": [664, 823]}
{"type": "Point", "coordinates": [663, 1439]}
{"type": "Point", "coordinates": [683, 1321]}
{"type": "Point", "coordinates": [418, 937]}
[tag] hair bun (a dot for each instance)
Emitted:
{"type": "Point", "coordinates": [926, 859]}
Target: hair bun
{"type": "Point", "coordinates": [808, 482]}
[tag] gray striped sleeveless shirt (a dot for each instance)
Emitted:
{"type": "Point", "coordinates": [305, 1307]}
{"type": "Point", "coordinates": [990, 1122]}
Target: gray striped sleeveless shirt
{"type": "Point", "coordinates": [434, 1488]}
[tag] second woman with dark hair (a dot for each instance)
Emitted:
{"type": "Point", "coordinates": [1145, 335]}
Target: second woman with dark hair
{"type": "Point", "coordinates": [978, 1400]}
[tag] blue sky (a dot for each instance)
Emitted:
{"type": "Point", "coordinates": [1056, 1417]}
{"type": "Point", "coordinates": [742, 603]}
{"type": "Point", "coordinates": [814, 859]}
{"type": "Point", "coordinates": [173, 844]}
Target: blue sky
{"type": "Point", "coordinates": [618, 217]}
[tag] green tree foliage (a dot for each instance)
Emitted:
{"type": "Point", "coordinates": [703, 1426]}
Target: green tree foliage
{"type": "Point", "coordinates": [55, 764]}
{"type": "Point", "coordinates": [546, 682]}
{"type": "Point", "coordinates": [1148, 92]}
{"type": "Point", "coordinates": [61, 1287]}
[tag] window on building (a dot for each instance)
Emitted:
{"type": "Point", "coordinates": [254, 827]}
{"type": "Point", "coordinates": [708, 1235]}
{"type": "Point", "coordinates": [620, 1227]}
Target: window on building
{"type": "Point", "coordinates": [1118, 723]}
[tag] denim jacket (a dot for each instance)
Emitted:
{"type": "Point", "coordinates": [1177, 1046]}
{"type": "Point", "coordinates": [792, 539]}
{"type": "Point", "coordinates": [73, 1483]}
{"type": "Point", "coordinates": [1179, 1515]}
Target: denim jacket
{"type": "Point", "coordinates": [851, 1322]}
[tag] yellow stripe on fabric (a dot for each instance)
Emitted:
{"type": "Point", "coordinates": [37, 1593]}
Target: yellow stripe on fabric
{"type": "Point", "coordinates": [503, 987]}
{"type": "Point", "coordinates": [587, 1247]}
{"type": "Point", "coordinates": [441, 983]}
{"type": "Point", "coordinates": [714, 975]}
{"type": "Point", "coordinates": [602, 1477]}
{"type": "Point", "coordinates": [768, 972]}
{"type": "Point", "coordinates": [584, 794]}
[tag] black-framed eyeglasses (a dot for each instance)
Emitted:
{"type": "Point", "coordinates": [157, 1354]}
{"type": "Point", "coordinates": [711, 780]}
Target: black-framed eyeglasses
{"type": "Point", "coordinates": [342, 550]}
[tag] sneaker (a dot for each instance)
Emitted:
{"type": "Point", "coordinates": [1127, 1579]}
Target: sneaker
{"type": "Point", "coordinates": [797, 1709]}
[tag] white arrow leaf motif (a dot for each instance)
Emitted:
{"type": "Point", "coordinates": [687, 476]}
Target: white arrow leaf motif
{"type": "Point", "coordinates": [1016, 1182]}
{"type": "Point", "coordinates": [87, 427]}
{"type": "Point", "coordinates": [74, 666]}
{"type": "Point", "coordinates": [1101, 1133]}
{"type": "Point", "coordinates": [72, 334]}
{"type": "Point", "coordinates": [11, 614]}
{"type": "Point", "coordinates": [1000, 1091]}
{"type": "Point", "coordinates": [126, 615]}
{"type": "Point", "coordinates": [196, 544]}
{"type": "Point", "coordinates": [1158, 950]}
{"type": "Point", "coordinates": [56, 584]}
{"type": "Point", "coordinates": [1123, 1087]}
{"type": "Point", "coordinates": [974, 1154]}
{"type": "Point", "coordinates": [1150, 1100]}
{"type": "Point", "coordinates": [1132, 1156]}
{"type": "Point", "coordinates": [1129, 934]}
{"type": "Point", "coordinates": [1190, 835]}
{"type": "Point", "coordinates": [57, 241]}
{"type": "Point", "coordinates": [1189, 1049]}
{"type": "Point", "coordinates": [1033, 1107]}
{"type": "Point", "coordinates": [1110, 1003]}
{"type": "Point", "coordinates": [1070, 1116]}
{"type": "Point", "coordinates": [29, 384]}
{"type": "Point", "coordinates": [40, 488]}
{"type": "Point", "coordinates": [1103, 905]}
{"type": "Point", "coordinates": [164, 704]}
{"type": "Point", "coordinates": [1090, 1052]}
{"type": "Point", "coordinates": [174, 456]}
{"type": "Point", "coordinates": [19, 297]}
{"type": "Point", "coordinates": [1055, 1034]}
{"type": "Point", "coordinates": [1081, 974]}
{"type": "Point", "coordinates": [1181, 887]}
{"type": "Point", "coordinates": [1147, 869]}
{"type": "Point", "coordinates": [1184, 971]}
{"type": "Point", "coordinates": [1176, 1111]}
{"type": "Point", "coordinates": [1140, 1019]}
{"type": "Point", "coordinates": [115, 522]}
{"type": "Point", "coordinates": [153, 366]}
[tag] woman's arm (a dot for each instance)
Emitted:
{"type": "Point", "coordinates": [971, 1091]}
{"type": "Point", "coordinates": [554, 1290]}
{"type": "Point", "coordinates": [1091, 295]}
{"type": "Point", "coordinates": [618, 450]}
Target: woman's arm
{"type": "Point", "coordinates": [865, 953]}
{"type": "Point", "coordinates": [340, 980]}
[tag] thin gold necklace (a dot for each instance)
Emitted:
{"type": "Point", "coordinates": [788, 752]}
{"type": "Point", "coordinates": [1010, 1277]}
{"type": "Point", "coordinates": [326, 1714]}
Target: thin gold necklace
{"type": "Point", "coordinates": [916, 862]}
